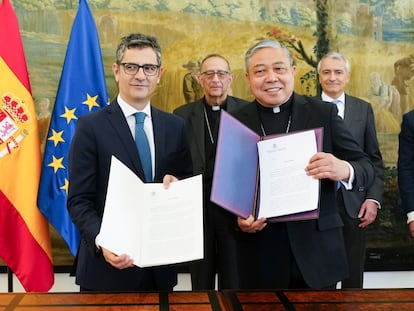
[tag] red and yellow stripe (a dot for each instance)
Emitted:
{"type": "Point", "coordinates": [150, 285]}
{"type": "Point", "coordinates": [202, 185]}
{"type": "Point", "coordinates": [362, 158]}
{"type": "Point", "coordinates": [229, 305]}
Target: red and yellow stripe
{"type": "Point", "coordinates": [25, 244]}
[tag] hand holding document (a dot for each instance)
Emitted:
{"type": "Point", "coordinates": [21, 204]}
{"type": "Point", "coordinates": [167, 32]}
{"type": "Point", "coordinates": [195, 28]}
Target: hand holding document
{"type": "Point", "coordinates": [265, 176]}
{"type": "Point", "coordinates": [153, 225]}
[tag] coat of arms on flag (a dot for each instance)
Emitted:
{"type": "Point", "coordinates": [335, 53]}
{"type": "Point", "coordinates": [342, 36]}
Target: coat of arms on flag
{"type": "Point", "coordinates": [13, 115]}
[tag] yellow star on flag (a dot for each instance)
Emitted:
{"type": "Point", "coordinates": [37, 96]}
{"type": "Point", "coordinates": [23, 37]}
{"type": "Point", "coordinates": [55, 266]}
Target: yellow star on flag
{"type": "Point", "coordinates": [65, 186]}
{"type": "Point", "coordinates": [56, 137]}
{"type": "Point", "coordinates": [69, 114]}
{"type": "Point", "coordinates": [91, 101]}
{"type": "Point", "coordinates": [56, 163]}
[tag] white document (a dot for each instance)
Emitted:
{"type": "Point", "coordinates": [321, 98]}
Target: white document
{"type": "Point", "coordinates": [284, 186]}
{"type": "Point", "coordinates": [153, 225]}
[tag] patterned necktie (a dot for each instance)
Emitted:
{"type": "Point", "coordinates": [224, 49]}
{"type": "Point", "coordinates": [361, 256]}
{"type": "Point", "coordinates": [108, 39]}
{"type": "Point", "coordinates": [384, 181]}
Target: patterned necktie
{"type": "Point", "coordinates": [141, 141]}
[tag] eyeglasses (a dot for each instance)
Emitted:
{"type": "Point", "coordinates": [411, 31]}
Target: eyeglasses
{"type": "Point", "coordinates": [221, 74]}
{"type": "Point", "coordinates": [132, 69]}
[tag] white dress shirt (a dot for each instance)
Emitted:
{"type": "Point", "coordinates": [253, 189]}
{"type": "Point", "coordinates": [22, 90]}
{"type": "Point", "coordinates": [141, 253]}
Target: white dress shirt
{"type": "Point", "coordinates": [129, 113]}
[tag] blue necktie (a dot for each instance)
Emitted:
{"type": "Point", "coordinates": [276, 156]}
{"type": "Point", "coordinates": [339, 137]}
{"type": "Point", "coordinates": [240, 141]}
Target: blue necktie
{"type": "Point", "coordinates": [141, 141]}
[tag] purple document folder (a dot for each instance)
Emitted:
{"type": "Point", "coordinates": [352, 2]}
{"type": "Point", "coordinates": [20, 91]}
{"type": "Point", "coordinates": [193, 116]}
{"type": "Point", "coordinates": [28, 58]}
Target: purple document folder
{"type": "Point", "coordinates": [235, 176]}
{"type": "Point", "coordinates": [236, 172]}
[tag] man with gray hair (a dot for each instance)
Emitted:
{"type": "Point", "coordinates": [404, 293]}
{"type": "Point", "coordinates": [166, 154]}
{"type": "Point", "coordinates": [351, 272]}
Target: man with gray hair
{"type": "Point", "coordinates": [357, 209]}
{"type": "Point", "coordinates": [202, 122]}
{"type": "Point", "coordinates": [307, 253]}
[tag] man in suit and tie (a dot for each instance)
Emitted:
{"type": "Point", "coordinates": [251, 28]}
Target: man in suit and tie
{"type": "Point", "coordinates": [308, 253]}
{"type": "Point", "coordinates": [406, 167]}
{"type": "Point", "coordinates": [202, 120]}
{"type": "Point", "coordinates": [109, 132]}
{"type": "Point", "coordinates": [357, 209]}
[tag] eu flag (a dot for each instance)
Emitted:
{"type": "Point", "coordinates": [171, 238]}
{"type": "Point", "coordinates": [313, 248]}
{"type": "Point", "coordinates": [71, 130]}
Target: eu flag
{"type": "Point", "coordinates": [82, 89]}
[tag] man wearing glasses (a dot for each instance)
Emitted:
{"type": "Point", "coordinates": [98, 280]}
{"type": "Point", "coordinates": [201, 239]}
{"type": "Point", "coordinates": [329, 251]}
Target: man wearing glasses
{"type": "Point", "coordinates": [202, 120]}
{"type": "Point", "coordinates": [118, 130]}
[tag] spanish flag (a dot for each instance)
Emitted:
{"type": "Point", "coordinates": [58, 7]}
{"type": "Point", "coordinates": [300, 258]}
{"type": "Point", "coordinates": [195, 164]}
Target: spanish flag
{"type": "Point", "coordinates": [24, 232]}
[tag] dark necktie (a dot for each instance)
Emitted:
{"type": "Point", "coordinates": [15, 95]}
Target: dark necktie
{"type": "Point", "coordinates": [336, 102]}
{"type": "Point", "coordinates": [141, 141]}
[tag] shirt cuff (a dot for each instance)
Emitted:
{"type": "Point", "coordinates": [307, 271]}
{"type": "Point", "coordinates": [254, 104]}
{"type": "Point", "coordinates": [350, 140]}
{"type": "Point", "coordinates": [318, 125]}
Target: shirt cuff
{"type": "Point", "coordinates": [410, 217]}
{"type": "Point", "coordinates": [376, 202]}
{"type": "Point", "coordinates": [348, 185]}
{"type": "Point", "coordinates": [97, 244]}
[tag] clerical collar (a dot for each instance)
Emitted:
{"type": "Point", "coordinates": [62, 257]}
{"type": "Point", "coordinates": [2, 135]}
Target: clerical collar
{"type": "Point", "coordinates": [272, 122]}
{"type": "Point", "coordinates": [216, 107]}
{"type": "Point", "coordinates": [285, 106]}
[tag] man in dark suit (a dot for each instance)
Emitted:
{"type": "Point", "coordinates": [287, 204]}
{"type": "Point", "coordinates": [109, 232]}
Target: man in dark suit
{"type": "Point", "coordinates": [307, 253]}
{"type": "Point", "coordinates": [202, 121]}
{"type": "Point", "coordinates": [406, 167]}
{"type": "Point", "coordinates": [357, 209]}
{"type": "Point", "coordinates": [110, 132]}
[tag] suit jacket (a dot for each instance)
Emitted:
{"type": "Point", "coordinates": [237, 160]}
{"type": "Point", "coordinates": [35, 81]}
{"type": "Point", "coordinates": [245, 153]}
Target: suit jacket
{"type": "Point", "coordinates": [193, 113]}
{"type": "Point", "coordinates": [359, 120]}
{"type": "Point", "coordinates": [99, 136]}
{"type": "Point", "coordinates": [317, 245]}
{"type": "Point", "coordinates": [406, 162]}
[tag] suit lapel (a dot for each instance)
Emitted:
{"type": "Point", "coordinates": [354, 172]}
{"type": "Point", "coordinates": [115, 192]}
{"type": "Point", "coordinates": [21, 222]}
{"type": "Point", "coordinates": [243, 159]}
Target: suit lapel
{"type": "Point", "coordinates": [350, 110]}
{"type": "Point", "coordinates": [117, 120]}
{"type": "Point", "coordinates": [158, 128]}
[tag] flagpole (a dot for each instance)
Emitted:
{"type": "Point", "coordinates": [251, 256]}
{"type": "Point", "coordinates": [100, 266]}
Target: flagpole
{"type": "Point", "coordinates": [9, 280]}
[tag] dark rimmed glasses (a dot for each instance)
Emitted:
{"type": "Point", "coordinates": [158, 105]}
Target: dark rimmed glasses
{"type": "Point", "coordinates": [148, 69]}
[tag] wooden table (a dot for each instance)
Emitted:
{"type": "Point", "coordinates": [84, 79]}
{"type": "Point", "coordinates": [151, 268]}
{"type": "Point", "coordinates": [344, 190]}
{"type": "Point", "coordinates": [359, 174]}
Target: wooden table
{"type": "Point", "coordinates": [329, 300]}
{"type": "Point", "coordinates": [228, 300]}
{"type": "Point", "coordinates": [172, 301]}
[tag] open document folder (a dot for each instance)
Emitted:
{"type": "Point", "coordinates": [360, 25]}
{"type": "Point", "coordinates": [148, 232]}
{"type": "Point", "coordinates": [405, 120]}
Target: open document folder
{"type": "Point", "coordinates": [153, 225]}
{"type": "Point", "coordinates": [265, 176]}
